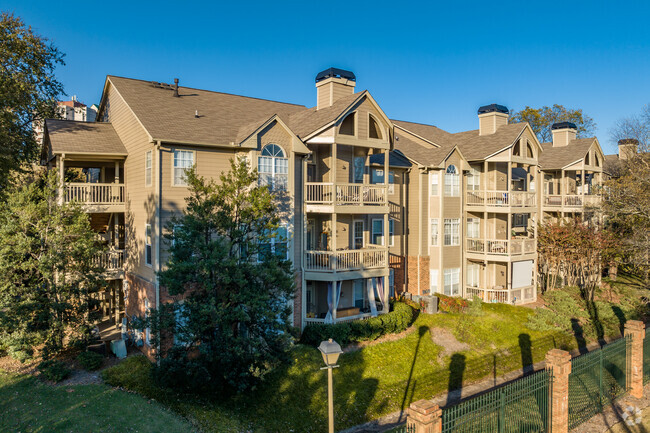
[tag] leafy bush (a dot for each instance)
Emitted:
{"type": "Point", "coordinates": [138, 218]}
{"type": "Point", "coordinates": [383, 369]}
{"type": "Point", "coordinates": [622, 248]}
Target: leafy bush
{"type": "Point", "coordinates": [449, 304]}
{"type": "Point", "coordinates": [134, 373]}
{"type": "Point", "coordinates": [90, 360]}
{"type": "Point", "coordinates": [398, 320]}
{"type": "Point", "coordinates": [53, 370]}
{"type": "Point", "coordinates": [476, 306]}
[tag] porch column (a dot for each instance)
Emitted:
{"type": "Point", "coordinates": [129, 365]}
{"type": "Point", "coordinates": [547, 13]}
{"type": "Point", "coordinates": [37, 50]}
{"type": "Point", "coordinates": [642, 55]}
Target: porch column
{"type": "Point", "coordinates": [61, 177]}
{"type": "Point", "coordinates": [117, 172]}
{"type": "Point", "coordinates": [509, 180]}
{"type": "Point", "coordinates": [333, 173]}
{"type": "Point", "coordinates": [333, 243]}
{"type": "Point", "coordinates": [584, 185]}
{"type": "Point", "coordinates": [386, 179]}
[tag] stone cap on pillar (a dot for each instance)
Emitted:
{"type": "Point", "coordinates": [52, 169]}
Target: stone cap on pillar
{"type": "Point", "coordinates": [424, 411]}
{"type": "Point", "coordinates": [559, 360]}
{"type": "Point", "coordinates": [635, 326]}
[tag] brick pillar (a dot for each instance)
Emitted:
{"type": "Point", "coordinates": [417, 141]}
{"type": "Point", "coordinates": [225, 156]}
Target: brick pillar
{"type": "Point", "coordinates": [559, 361]}
{"type": "Point", "coordinates": [424, 416]}
{"type": "Point", "coordinates": [636, 329]}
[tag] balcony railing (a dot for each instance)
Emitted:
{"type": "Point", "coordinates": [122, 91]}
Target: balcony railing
{"type": "Point", "coordinates": [501, 247]}
{"type": "Point", "coordinates": [488, 295]}
{"type": "Point", "coordinates": [346, 194]}
{"type": "Point", "coordinates": [95, 193]}
{"type": "Point", "coordinates": [111, 260]}
{"type": "Point", "coordinates": [500, 198]}
{"type": "Point", "coordinates": [571, 200]}
{"type": "Point", "coordinates": [346, 260]}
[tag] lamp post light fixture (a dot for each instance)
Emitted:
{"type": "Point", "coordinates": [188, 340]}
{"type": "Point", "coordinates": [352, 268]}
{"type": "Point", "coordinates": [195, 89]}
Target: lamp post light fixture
{"type": "Point", "coordinates": [331, 350]}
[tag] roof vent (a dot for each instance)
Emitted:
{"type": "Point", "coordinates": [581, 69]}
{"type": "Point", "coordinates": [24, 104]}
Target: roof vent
{"type": "Point", "coordinates": [176, 87]}
{"type": "Point", "coordinates": [564, 125]}
{"type": "Point", "coordinates": [493, 108]}
{"type": "Point", "coordinates": [335, 73]}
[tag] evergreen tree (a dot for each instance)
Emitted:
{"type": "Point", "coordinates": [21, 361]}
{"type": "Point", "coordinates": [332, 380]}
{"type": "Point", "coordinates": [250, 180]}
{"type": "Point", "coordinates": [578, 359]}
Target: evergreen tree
{"type": "Point", "coordinates": [48, 275]}
{"type": "Point", "coordinates": [228, 264]}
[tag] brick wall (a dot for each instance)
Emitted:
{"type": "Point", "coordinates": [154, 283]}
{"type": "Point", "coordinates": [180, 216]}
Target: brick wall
{"type": "Point", "coordinates": [139, 290]}
{"type": "Point", "coordinates": [398, 264]}
{"type": "Point", "coordinates": [412, 274]}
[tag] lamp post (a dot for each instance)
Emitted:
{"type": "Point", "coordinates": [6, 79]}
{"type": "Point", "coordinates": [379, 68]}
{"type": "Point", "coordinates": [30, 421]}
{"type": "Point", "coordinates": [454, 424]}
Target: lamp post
{"type": "Point", "coordinates": [330, 350]}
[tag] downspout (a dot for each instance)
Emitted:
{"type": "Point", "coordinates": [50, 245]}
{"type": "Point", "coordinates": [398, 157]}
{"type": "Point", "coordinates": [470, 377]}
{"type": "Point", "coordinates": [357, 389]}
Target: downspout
{"type": "Point", "coordinates": [420, 225]}
{"type": "Point", "coordinates": [158, 219]}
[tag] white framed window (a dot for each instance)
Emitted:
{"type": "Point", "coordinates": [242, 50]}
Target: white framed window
{"type": "Point", "coordinates": [147, 245]}
{"type": "Point", "coordinates": [391, 182]}
{"type": "Point", "coordinates": [433, 280]}
{"type": "Point", "coordinates": [473, 179]}
{"type": "Point", "coordinates": [147, 331]}
{"type": "Point", "coordinates": [359, 168]}
{"type": "Point", "coordinates": [377, 175]}
{"type": "Point", "coordinates": [377, 233]}
{"type": "Point", "coordinates": [473, 228]}
{"type": "Point", "coordinates": [520, 219]}
{"type": "Point", "coordinates": [183, 160]}
{"type": "Point", "coordinates": [273, 168]}
{"type": "Point", "coordinates": [452, 236]}
{"type": "Point", "coordinates": [391, 232]}
{"type": "Point", "coordinates": [473, 270]}
{"type": "Point", "coordinates": [434, 177]}
{"type": "Point", "coordinates": [452, 185]}
{"type": "Point", "coordinates": [452, 282]}
{"type": "Point", "coordinates": [148, 168]}
{"type": "Point", "coordinates": [277, 244]}
{"type": "Point", "coordinates": [434, 231]}
{"type": "Point", "coordinates": [357, 235]}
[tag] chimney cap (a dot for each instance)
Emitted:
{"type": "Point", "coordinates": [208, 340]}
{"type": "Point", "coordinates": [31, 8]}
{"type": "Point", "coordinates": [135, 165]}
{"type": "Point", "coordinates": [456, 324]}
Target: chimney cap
{"type": "Point", "coordinates": [628, 141]}
{"type": "Point", "coordinates": [335, 73]}
{"type": "Point", "coordinates": [493, 108]}
{"type": "Point", "coordinates": [564, 125]}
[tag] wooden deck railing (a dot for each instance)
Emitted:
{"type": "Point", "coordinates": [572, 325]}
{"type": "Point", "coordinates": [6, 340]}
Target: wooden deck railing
{"type": "Point", "coordinates": [346, 260]}
{"type": "Point", "coordinates": [95, 193]}
{"type": "Point", "coordinates": [346, 194]}
{"type": "Point", "coordinates": [501, 246]}
{"type": "Point", "coordinates": [111, 260]}
{"type": "Point", "coordinates": [500, 198]}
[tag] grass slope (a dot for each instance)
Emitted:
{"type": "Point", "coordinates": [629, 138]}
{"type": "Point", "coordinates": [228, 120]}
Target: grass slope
{"type": "Point", "coordinates": [28, 405]}
{"type": "Point", "coordinates": [373, 381]}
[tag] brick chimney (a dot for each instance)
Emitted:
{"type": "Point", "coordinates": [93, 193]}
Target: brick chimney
{"type": "Point", "coordinates": [333, 84]}
{"type": "Point", "coordinates": [563, 133]}
{"type": "Point", "coordinates": [490, 117]}
{"type": "Point", "coordinates": [627, 147]}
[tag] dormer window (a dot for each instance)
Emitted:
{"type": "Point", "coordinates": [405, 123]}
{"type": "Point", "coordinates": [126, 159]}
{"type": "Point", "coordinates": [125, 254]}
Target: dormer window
{"type": "Point", "coordinates": [348, 125]}
{"type": "Point", "coordinates": [597, 160]}
{"type": "Point", "coordinates": [374, 131]}
{"type": "Point", "coordinates": [529, 151]}
{"type": "Point", "coordinates": [516, 151]}
{"type": "Point", "coordinates": [587, 159]}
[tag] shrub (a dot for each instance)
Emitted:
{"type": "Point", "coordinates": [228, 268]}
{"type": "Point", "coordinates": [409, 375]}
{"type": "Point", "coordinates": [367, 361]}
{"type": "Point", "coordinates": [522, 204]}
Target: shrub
{"type": "Point", "coordinates": [53, 370]}
{"type": "Point", "coordinates": [398, 320]}
{"type": "Point", "coordinates": [134, 373]}
{"type": "Point", "coordinates": [449, 304]}
{"type": "Point", "coordinates": [476, 306]}
{"type": "Point", "coordinates": [90, 360]}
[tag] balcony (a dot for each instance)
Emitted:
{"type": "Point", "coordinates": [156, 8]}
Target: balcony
{"type": "Point", "coordinates": [501, 199]}
{"type": "Point", "coordinates": [327, 197]}
{"type": "Point", "coordinates": [112, 261]}
{"type": "Point", "coordinates": [346, 260]}
{"type": "Point", "coordinates": [96, 197]}
{"type": "Point", "coordinates": [501, 247]}
{"type": "Point", "coordinates": [571, 201]}
{"type": "Point", "coordinates": [499, 294]}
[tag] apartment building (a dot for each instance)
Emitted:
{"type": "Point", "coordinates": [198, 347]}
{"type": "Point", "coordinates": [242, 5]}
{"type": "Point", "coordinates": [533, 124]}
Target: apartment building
{"type": "Point", "coordinates": [69, 110]}
{"type": "Point", "coordinates": [371, 207]}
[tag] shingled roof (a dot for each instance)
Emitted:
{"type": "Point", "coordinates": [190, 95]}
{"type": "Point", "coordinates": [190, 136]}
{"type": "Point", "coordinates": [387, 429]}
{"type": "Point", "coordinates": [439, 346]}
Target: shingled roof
{"type": "Point", "coordinates": [556, 158]}
{"type": "Point", "coordinates": [305, 122]}
{"type": "Point", "coordinates": [221, 115]}
{"type": "Point", "coordinates": [428, 155]}
{"type": "Point", "coordinates": [68, 136]}
{"type": "Point", "coordinates": [476, 147]}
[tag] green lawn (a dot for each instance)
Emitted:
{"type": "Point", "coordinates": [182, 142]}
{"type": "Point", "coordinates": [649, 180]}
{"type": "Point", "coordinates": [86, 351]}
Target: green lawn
{"type": "Point", "coordinates": [28, 405]}
{"type": "Point", "coordinates": [374, 381]}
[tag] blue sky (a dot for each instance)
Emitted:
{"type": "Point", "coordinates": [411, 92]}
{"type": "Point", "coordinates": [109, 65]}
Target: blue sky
{"type": "Point", "coordinates": [431, 62]}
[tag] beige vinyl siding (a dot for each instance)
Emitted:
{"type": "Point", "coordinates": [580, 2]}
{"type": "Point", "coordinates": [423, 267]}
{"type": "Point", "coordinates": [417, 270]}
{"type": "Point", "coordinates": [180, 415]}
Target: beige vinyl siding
{"type": "Point", "coordinates": [343, 164]}
{"type": "Point", "coordinates": [452, 208]}
{"type": "Point", "coordinates": [414, 196]}
{"type": "Point", "coordinates": [140, 209]}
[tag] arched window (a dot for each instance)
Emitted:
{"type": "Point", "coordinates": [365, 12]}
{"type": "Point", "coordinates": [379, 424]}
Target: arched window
{"type": "Point", "coordinates": [347, 126]}
{"type": "Point", "coordinates": [516, 151]}
{"type": "Point", "coordinates": [588, 159]}
{"type": "Point", "coordinates": [597, 160]}
{"type": "Point", "coordinates": [452, 185]}
{"type": "Point", "coordinates": [374, 131]}
{"type": "Point", "coordinates": [529, 151]}
{"type": "Point", "coordinates": [273, 168]}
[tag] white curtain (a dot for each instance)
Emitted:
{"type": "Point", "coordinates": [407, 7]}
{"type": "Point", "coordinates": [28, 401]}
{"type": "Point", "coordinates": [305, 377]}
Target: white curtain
{"type": "Point", "coordinates": [380, 291]}
{"type": "Point", "coordinates": [332, 301]}
{"type": "Point", "coordinates": [371, 296]}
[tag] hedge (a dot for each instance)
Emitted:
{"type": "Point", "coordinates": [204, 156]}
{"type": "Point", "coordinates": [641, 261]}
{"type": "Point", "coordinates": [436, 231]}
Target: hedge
{"type": "Point", "coordinates": [402, 316]}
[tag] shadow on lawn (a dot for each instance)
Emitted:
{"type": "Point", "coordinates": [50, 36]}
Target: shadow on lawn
{"type": "Point", "coordinates": [410, 387]}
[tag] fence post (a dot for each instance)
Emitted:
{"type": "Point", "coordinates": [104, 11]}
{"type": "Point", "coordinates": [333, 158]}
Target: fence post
{"type": "Point", "coordinates": [635, 329]}
{"type": "Point", "coordinates": [559, 362]}
{"type": "Point", "coordinates": [423, 416]}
